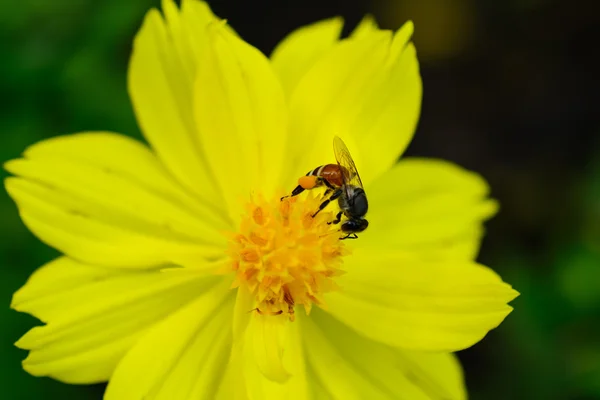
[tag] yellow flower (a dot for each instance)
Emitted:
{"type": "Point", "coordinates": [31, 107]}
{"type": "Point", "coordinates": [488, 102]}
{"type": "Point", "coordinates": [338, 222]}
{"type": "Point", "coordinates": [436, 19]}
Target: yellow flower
{"type": "Point", "coordinates": [185, 277]}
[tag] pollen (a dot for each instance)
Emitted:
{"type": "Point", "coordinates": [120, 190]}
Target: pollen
{"type": "Point", "coordinates": [284, 256]}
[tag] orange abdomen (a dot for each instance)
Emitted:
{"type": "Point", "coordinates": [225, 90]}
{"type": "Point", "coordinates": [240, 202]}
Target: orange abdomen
{"type": "Point", "coordinates": [332, 173]}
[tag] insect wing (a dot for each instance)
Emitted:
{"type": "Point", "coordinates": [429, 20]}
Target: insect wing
{"type": "Point", "coordinates": [344, 159]}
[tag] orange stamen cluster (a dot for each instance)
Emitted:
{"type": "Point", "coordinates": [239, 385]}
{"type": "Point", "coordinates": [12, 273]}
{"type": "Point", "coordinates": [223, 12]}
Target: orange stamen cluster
{"type": "Point", "coordinates": [284, 256]}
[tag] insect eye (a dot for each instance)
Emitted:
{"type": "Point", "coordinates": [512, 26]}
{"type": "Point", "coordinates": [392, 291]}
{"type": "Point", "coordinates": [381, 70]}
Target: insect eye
{"type": "Point", "coordinates": [348, 226]}
{"type": "Point", "coordinates": [360, 203]}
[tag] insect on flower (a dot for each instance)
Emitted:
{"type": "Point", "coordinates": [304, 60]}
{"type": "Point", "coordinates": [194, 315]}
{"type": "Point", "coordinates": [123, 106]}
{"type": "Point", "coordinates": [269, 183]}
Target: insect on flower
{"type": "Point", "coordinates": [344, 185]}
{"type": "Point", "coordinates": [182, 271]}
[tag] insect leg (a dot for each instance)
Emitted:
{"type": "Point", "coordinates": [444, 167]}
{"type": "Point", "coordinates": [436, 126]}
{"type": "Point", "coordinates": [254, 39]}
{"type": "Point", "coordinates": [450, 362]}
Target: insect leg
{"type": "Point", "coordinates": [334, 196]}
{"type": "Point", "coordinates": [329, 185]}
{"type": "Point", "coordinates": [258, 310]}
{"type": "Point", "coordinates": [337, 219]}
{"type": "Point", "coordinates": [306, 182]}
{"type": "Point", "coordinates": [350, 236]}
{"type": "Point", "coordinates": [299, 189]}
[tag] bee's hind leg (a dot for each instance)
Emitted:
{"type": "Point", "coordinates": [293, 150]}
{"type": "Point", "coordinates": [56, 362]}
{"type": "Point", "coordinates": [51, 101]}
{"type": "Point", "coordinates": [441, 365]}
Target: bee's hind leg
{"type": "Point", "coordinates": [306, 182]}
{"type": "Point", "coordinates": [299, 189]}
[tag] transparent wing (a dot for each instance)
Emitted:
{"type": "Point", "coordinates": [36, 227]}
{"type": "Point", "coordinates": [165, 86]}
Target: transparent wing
{"type": "Point", "coordinates": [344, 159]}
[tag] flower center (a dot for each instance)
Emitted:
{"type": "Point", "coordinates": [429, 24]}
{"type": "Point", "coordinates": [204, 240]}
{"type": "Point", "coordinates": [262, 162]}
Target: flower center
{"type": "Point", "coordinates": [284, 256]}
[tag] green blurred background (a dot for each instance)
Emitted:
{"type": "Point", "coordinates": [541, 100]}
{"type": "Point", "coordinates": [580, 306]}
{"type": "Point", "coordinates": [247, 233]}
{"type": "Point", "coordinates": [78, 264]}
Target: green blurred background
{"type": "Point", "coordinates": [511, 91]}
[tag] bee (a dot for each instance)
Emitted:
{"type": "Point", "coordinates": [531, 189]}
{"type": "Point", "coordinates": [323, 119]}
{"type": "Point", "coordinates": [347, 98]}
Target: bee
{"type": "Point", "coordinates": [344, 185]}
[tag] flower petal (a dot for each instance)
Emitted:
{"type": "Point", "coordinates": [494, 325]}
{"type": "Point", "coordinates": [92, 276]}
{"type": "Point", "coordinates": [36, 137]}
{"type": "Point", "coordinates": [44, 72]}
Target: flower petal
{"type": "Point", "coordinates": [428, 206]}
{"type": "Point", "coordinates": [345, 365]}
{"type": "Point", "coordinates": [160, 80]}
{"type": "Point", "coordinates": [404, 301]}
{"type": "Point", "coordinates": [105, 199]}
{"type": "Point", "coordinates": [366, 90]}
{"type": "Point", "coordinates": [275, 347]}
{"type": "Point", "coordinates": [299, 50]}
{"type": "Point", "coordinates": [265, 341]}
{"type": "Point", "coordinates": [365, 27]}
{"type": "Point", "coordinates": [94, 315]}
{"type": "Point", "coordinates": [241, 114]}
{"type": "Point", "coordinates": [267, 359]}
{"type": "Point", "coordinates": [182, 357]}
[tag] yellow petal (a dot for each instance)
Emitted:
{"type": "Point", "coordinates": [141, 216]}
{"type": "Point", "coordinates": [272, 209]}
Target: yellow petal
{"type": "Point", "coordinates": [182, 357]}
{"type": "Point", "coordinates": [160, 81]}
{"type": "Point", "coordinates": [403, 301]}
{"type": "Point", "coordinates": [428, 206]}
{"type": "Point", "coordinates": [387, 120]}
{"type": "Point", "coordinates": [233, 383]}
{"type": "Point", "coordinates": [299, 50]}
{"type": "Point", "coordinates": [435, 373]}
{"type": "Point", "coordinates": [367, 90]}
{"type": "Point", "coordinates": [345, 365]}
{"type": "Point", "coordinates": [266, 340]}
{"type": "Point", "coordinates": [105, 199]}
{"type": "Point", "coordinates": [366, 26]}
{"type": "Point", "coordinates": [241, 114]}
{"type": "Point", "coordinates": [323, 100]}
{"type": "Point", "coordinates": [267, 359]}
{"type": "Point", "coordinates": [94, 315]}
{"type": "Point", "coordinates": [274, 365]}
